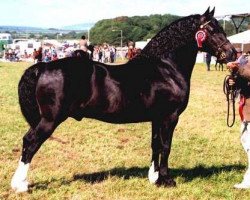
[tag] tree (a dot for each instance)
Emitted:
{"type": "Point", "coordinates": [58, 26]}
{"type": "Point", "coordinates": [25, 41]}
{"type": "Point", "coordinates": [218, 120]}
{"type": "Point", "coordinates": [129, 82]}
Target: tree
{"type": "Point", "coordinates": [134, 28]}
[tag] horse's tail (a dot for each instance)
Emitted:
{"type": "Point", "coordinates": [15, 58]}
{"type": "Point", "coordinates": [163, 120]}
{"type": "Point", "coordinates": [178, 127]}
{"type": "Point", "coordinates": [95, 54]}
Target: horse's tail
{"type": "Point", "coordinates": [27, 94]}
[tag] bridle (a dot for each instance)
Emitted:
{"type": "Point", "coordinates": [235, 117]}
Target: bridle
{"type": "Point", "coordinates": [201, 36]}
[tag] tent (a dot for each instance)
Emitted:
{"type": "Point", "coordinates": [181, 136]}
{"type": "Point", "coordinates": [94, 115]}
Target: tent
{"type": "Point", "coordinates": [241, 40]}
{"type": "Point", "coordinates": [243, 37]}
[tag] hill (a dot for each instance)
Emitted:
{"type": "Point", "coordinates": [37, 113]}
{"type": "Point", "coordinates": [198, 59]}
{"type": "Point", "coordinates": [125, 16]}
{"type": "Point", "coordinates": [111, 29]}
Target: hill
{"type": "Point", "coordinates": [21, 29]}
{"type": "Point", "coordinates": [84, 26]}
{"type": "Point", "coordinates": [28, 29]}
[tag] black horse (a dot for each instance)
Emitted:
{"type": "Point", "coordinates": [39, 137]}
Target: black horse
{"type": "Point", "coordinates": [152, 87]}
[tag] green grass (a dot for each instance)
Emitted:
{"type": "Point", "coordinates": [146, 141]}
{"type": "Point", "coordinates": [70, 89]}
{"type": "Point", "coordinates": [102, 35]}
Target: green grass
{"type": "Point", "coordinates": [96, 160]}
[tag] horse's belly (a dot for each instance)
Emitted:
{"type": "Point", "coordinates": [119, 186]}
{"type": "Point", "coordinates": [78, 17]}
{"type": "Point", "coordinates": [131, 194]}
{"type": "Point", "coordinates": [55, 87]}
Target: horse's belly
{"type": "Point", "coordinates": [126, 115]}
{"type": "Point", "coordinates": [115, 119]}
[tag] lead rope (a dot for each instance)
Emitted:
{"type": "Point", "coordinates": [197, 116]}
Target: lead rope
{"type": "Point", "coordinates": [230, 92]}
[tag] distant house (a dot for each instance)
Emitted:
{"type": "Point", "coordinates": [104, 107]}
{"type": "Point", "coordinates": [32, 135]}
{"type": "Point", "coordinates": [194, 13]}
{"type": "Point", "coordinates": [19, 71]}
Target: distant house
{"type": "Point", "coordinates": [5, 38]}
{"type": "Point", "coordinates": [25, 45]}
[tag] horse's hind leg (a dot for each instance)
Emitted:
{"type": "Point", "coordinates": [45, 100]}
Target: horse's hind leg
{"type": "Point", "coordinates": [32, 141]}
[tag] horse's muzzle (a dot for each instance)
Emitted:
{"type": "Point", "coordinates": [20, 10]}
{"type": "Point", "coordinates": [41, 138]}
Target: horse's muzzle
{"type": "Point", "coordinates": [227, 56]}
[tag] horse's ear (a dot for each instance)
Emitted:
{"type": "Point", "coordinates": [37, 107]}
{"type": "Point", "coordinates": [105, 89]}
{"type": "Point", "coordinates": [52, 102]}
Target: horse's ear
{"type": "Point", "coordinates": [207, 15]}
{"type": "Point", "coordinates": [212, 12]}
{"type": "Point", "coordinates": [207, 12]}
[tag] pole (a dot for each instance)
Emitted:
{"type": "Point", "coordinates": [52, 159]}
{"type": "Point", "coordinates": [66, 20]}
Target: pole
{"type": "Point", "coordinates": [88, 35]}
{"type": "Point", "coordinates": [121, 38]}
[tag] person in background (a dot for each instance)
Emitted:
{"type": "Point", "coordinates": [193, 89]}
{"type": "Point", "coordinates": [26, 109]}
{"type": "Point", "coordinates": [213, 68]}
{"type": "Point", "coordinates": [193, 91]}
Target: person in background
{"type": "Point", "coordinates": [131, 50]}
{"type": "Point", "coordinates": [26, 54]}
{"type": "Point", "coordinates": [100, 54]}
{"type": "Point", "coordinates": [112, 54]}
{"type": "Point", "coordinates": [241, 67]}
{"type": "Point", "coordinates": [39, 55]}
{"type": "Point", "coordinates": [208, 60]}
{"type": "Point", "coordinates": [54, 55]}
{"type": "Point", "coordinates": [34, 55]}
{"type": "Point", "coordinates": [84, 44]}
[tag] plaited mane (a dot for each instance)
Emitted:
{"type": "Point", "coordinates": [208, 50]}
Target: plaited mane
{"type": "Point", "coordinates": [172, 36]}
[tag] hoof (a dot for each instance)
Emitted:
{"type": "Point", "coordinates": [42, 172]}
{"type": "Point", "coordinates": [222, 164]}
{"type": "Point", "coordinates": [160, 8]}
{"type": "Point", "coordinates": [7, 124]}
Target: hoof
{"type": "Point", "coordinates": [165, 182]}
{"type": "Point", "coordinates": [152, 174]}
{"type": "Point", "coordinates": [242, 186]}
{"type": "Point", "coordinates": [19, 186]}
{"type": "Point", "coordinates": [19, 181]}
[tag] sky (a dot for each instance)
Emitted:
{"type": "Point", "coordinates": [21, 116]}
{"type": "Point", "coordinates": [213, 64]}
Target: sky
{"type": "Point", "coordinates": [59, 13]}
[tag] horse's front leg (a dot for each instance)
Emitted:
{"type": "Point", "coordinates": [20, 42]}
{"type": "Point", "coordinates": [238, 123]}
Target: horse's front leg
{"type": "Point", "coordinates": [153, 173]}
{"type": "Point", "coordinates": [161, 144]}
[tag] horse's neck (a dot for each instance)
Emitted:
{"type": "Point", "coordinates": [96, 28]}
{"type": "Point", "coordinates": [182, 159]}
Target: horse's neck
{"type": "Point", "coordinates": [185, 59]}
{"type": "Point", "coordinates": [177, 43]}
{"type": "Point", "coordinates": [172, 37]}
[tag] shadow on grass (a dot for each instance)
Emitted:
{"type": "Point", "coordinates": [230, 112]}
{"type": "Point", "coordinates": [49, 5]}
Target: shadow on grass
{"type": "Point", "coordinates": [128, 173]}
{"type": "Point", "coordinates": [188, 174]}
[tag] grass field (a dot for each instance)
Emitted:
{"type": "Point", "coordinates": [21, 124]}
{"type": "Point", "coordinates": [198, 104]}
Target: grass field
{"type": "Point", "coordinates": [95, 160]}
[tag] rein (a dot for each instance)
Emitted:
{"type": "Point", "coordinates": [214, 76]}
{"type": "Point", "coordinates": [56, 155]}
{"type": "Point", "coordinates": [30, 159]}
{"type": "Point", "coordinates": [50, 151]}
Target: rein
{"type": "Point", "coordinates": [230, 92]}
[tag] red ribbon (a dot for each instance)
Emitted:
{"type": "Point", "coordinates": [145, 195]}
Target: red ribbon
{"type": "Point", "coordinates": [241, 105]}
{"type": "Point", "coordinates": [200, 37]}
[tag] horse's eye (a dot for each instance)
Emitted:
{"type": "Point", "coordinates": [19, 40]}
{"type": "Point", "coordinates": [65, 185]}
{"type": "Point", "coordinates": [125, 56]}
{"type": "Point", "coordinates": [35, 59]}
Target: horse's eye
{"type": "Point", "coordinates": [210, 29]}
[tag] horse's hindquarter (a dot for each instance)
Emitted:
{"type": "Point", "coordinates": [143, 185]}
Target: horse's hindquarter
{"type": "Point", "coordinates": [49, 93]}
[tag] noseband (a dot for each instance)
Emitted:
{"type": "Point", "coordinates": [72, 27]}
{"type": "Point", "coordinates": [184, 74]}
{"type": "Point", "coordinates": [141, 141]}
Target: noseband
{"type": "Point", "coordinates": [201, 36]}
{"type": "Point", "coordinates": [219, 52]}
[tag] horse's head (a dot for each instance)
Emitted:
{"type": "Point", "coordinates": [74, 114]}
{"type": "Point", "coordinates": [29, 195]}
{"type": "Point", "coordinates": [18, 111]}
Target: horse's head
{"type": "Point", "coordinates": [211, 38]}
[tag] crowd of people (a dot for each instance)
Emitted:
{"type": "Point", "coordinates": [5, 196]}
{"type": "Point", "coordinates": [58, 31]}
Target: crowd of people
{"type": "Point", "coordinates": [46, 55]}
{"type": "Point", "coordinates": [104, 53]}
{"type": "Point", "coordinates": [12, 55]}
